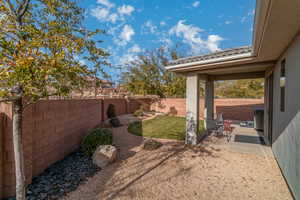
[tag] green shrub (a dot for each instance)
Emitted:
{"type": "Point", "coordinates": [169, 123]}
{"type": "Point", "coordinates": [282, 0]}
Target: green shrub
{"type": "Point", "coordinates": [136, 128]}
{"type": "Point", "coordinates": [138, 113]}
{"type": "Point", "coordinates": [115, 122]}
{"type": "Point", "coordinates": [150, 144]}
{"type": "Point", "coordinates": [95, 138]}
{"type": "Point", "coordinates": [111, 111]}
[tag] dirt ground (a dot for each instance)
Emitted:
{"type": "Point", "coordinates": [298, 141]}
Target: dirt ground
{"type": "Point", "coordinates": [208, 171]}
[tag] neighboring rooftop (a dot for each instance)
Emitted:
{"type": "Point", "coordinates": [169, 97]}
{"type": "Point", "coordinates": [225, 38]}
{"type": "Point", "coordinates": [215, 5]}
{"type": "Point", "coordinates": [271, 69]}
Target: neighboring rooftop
{"type": "Point", "coordinates": [219, 54]}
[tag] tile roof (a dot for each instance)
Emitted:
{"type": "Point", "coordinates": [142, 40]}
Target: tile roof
{"type": "Point", "coordinates": [219, 54]}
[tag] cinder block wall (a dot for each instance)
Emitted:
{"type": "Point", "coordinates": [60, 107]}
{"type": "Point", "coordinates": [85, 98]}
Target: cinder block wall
{"type": "Point", "coordinates": [120, 105]}
{"type": "Point", "coordinates": [234, 109]}
{"type": "Point", "coordinates": [54, 128]}
{"type": "Point", "coordinates": [238, 109]}
{"type": "Point", "coordinates": [7, 151]}
{"type": "Point", "coordinates": [1, 156]}
{"type": "Point", "coordinates": [51, 130]}
{"type": "Point", "coordinates": [135, 104]}
{"type": "Point", "coordinates": [57, 128]}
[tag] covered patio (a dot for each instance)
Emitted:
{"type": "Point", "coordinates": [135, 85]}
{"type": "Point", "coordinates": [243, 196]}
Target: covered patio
{"type": "Point", "coordinates": [232, 64]}
{"type": "Point", "coordinates": [274, 55]}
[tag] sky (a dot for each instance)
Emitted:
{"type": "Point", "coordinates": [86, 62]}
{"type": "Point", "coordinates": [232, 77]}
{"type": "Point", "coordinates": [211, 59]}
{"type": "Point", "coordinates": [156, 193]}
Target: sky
{"type": "Point", "coordinates": [134, 26]}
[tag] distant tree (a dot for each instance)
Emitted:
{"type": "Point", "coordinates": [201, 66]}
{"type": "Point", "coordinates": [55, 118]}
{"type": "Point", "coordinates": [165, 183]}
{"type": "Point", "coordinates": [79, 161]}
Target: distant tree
{"type": "Point", "coordinates": [39, 43]}
{"type": "Point", "coordinates": [147, 75]}
{"type": "Point", "coordinates": [247, 88]}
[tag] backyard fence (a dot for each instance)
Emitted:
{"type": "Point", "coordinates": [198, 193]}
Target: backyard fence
{"type": "Point", "coordinates": [232, 108]}
{"type": "Point", "coordinates": [53, 129]}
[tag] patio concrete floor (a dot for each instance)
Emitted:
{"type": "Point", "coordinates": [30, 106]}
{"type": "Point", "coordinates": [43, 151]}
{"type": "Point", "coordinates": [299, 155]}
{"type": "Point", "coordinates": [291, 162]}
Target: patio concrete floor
{"type": "Point", "coordinates": [214, 169]}
{"type": "Point", "coordinates": [248, 140]}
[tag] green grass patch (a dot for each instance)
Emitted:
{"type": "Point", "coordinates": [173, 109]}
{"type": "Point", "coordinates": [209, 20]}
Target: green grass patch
{"type": "Point", "coordinates": [166, 127]}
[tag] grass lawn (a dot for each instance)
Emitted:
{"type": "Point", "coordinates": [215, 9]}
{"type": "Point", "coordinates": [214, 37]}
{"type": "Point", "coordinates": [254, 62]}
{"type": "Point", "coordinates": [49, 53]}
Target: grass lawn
{"type": "Point", "coordinates": [167, 127]}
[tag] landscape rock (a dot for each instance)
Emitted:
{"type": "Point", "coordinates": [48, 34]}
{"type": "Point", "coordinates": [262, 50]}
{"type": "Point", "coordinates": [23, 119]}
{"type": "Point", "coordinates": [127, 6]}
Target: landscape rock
{"type": "Point", "coordinates": [104, 155]}
{"type": "Point", "coordinates": [151, 144]}
{"type": "Point", "coordinates": [62, 177]}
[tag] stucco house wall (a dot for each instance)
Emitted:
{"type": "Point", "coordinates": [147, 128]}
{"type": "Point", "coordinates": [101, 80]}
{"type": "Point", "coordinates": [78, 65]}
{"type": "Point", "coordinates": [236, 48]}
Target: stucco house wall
{"type": "Point", "coordinates": [286, 125]}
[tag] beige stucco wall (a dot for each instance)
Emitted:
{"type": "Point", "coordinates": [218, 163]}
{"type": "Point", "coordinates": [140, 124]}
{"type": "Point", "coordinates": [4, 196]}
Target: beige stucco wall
{"type": "Point", "coordinates": [286, 126]}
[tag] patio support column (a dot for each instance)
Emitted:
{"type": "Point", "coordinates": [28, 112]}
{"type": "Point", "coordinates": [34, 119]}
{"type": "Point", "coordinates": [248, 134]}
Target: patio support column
{"type": "Point", "coordinates": [209, 103]}
{"type": "Point", "coordinates": [192, 109]}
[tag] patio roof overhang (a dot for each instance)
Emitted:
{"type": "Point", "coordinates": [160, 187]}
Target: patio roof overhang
{"type": "Point", "coordinates": [276, 25]}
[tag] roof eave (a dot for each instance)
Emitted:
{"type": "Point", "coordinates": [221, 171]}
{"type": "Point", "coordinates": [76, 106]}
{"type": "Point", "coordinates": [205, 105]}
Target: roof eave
{"type": "Point", "coordinates": [262, 12]}
{"type": "Point", "coordinates": [199, 64]}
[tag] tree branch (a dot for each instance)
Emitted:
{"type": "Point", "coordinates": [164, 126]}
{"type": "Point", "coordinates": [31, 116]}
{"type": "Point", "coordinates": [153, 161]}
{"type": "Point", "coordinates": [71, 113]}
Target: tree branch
{"type": "Point", "coordinates": [11, 8]}
{"type": "Point", "coordinates": [23, 8]}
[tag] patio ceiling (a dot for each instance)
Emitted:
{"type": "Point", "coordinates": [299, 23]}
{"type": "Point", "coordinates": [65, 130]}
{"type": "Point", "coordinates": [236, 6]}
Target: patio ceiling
{"type": "Point", "coordinates": [276, 25]}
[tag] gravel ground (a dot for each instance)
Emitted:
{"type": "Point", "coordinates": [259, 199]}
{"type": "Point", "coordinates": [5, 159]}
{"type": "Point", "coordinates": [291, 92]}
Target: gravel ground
{"type": "Point", "coordinates": [62, 177]}
{"type": "Point", "coordinates": [174, 171]}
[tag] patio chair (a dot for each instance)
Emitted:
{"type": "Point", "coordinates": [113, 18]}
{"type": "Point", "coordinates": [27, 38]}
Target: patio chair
{"type": "Point", "coordinates": [219, 124]}
{"type": "Point", "coordinates": [227, 129]}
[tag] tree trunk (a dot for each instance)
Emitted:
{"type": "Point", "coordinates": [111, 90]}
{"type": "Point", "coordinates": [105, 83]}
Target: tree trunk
{"type": "Point", "coordinates": [18, 149]}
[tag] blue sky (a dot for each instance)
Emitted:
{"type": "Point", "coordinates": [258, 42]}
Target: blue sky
{"type": "Point", "coordinates": [203, 26]}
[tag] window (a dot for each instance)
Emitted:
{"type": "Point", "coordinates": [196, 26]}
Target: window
{"type": "Point", "coordinates": [282, 86]}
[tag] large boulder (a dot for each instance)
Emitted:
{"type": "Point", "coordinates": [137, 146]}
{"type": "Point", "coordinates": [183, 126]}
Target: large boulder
{"type": "Point", "coordinates": [150, 144]}
{"type": "Point", "coordinates": [104, 155]}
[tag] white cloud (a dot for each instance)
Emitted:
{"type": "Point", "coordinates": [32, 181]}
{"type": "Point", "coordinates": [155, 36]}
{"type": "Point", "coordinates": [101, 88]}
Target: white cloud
{"type": "Point", "coordinates": [251, 12]}
{"type": "Point", "coordinates": [190, 35]}
{"type": "Point", "coordinates": [228, 22]}
{"type": "Point", "coordinates": [243, 19]}
{"type": "Point", "coordinates": [166, 41]}
{"type": "Point", "coordinates": [135, 49]}
{"type": "Point", "coordinates": [113, 17]}
{"type": "Point", "coordinates": [127, 58]}
{"type": "Point", "coordinates": [106, 3]}
{"type": "Point", "coordinates": [127, 33]}
{"type": "Point", "coordinates": [130, 55]}
{"type": "Point", "coordinates": [196, 4]}
{"type": "Point", "coordinates": [149, 27]}
{"type": "Point", "coordinates": [104, 15]}
{"type": "Point", "coordinates": [100, 13]}
{"type": "Point", "coordinates": [162, 23]}
{"type": "Point", "coordinates": [126, 10]}
{"type": "Point", "coordinates": [125, 36]}
{"type": "Point", "coordinates": [213, 42]}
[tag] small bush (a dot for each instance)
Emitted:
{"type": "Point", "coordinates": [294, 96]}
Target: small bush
{"type": "Point", "coordinates": [138, 113]}
{"type": "Point", "coordinates": [115, 122]}
{"type": "Point", "coordinates": [96, 138]}
{"type": "Point", "coordinates": [173, 111]}
{"type": "Point", "coordinates": [111, 111]}
{"type": "Point", "coordinates": [136, 128]}
{"type": "Point", "coordinates": [150, 144]}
